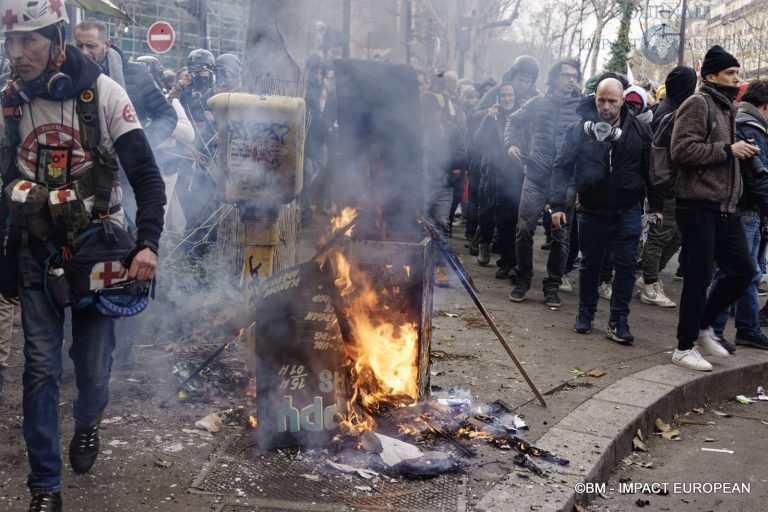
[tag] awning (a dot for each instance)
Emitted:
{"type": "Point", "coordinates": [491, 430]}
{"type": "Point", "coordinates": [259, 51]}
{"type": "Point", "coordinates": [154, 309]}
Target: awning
{"type": "Point", "coordinates": [102, 7]}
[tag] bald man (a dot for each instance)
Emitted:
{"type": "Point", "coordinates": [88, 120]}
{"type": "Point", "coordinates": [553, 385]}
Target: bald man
{"type": "Point", "coordinates": [606, 155]}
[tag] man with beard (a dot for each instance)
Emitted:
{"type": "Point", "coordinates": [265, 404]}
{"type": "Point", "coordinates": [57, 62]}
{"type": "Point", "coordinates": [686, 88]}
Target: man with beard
{"type": "Point", "coordinates": [708, 187]}
{"type": "Point", "coordinates": [543, 121]}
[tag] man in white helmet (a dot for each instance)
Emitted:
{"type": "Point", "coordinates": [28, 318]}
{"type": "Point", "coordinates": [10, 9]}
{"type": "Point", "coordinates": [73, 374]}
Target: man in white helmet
{"type": "Point", "coordinates": [46, 136]}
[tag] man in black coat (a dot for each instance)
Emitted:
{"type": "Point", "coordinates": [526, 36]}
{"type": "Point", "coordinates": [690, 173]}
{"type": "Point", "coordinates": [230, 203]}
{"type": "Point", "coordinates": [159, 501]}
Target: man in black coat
{"type": "Point", "coordinates": [606, 155]}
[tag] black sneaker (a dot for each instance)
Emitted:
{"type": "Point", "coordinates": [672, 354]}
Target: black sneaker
{"type": "Point", "coordinates": [504, 272]}
{"type": "Point", "coordinates": [474, 247]}
{"type": "Point", "coordinates": [83, 449]}
{"type": "Point", "coordinates": [727, 345]}
{"type": "Point", "coordinates": [518, 293]}
{"type": "Point", "coordinates": [583, 323]}
{"type": "Point", "coordinates": [46, 502]}
{"type": "Point", "coordinates": [752, 340]}
{"type": "Point", "coordinates": [618, 331]}
{"type": "Point", "coordinates": [552, 298]}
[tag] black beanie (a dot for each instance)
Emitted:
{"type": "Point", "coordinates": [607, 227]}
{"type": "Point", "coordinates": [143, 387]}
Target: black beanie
{"type": "Point", "coordinates": [716, 60]}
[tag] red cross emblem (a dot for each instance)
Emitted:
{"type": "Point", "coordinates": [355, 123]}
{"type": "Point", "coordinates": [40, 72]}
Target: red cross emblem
{"type": "Point", "coordinates": [63, 195]}
{"type": "Point", "coordinates": [55, 5]}
{"type": "Point", "coordinates": [110, 275]}
{"type": "Point", "coordinates": [10, 20]}
{"type": "Point", "coordinates": [25, 185]}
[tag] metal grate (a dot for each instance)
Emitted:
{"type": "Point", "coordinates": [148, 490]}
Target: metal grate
{"type": "Point", "coordinates": [285, 480]}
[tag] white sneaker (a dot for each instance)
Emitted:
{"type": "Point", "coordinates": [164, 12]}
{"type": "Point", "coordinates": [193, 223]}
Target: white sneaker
{"type": "Point", "coordinates": [566, 286]}
{"type": "Point", "coordinates": [691, 359]}
{"type": "Point", "coordinates": [605, 291]}
{"type": "Point", "coordinates": [708, 344]}
{"type": "Point", "coordinates": [654, 295]}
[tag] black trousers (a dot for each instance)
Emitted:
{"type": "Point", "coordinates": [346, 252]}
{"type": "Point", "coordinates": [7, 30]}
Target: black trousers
{"type": "Point", "coordinates": [708, 237]}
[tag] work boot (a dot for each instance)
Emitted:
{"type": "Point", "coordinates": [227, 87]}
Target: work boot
{"type": "Point", "coordinates": [46, 502]}
{"type": "Point", "coordinates": [84, 448]}
{"type": "Point", "coordinates": [484, 256]}
{"type": "Point", "coordinates": [583, 323]}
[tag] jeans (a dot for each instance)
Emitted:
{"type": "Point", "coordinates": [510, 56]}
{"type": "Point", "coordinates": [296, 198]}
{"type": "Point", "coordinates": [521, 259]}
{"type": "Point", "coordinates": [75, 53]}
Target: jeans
{"type": "Point", "coordinates": [532, 202]}
{"type": "Point", "coordinates": [439, 208]}
{"type": "Point", "coordinates": [6, 329]}
{"type": "Point", "coordinates": [748, 305]}
{"type": "Point", "coordinates": [504, 218]}
{"type": "Point", "coordinates": [710, 237]}
{"type": "Point", "coordinates": [618, 236]}
{"type": "Point", "coordinates": [93, 339]}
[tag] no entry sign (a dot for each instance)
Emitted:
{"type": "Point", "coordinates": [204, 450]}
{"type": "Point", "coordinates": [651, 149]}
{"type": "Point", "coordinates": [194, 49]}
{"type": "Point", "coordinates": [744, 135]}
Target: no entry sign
{"type": "Point", "coordinates": [160, 37]}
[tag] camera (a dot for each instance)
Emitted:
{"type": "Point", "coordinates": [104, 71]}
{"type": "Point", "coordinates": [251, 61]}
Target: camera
{"type": "Point", "coordinates": [753, 163]}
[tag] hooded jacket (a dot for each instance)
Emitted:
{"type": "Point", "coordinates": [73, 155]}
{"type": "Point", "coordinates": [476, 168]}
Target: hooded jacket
{"type": "Point", "coordinates": [680, 85]}
{"type": "Point", "coordinates": [708, 176]}
{"type": "Point", "coordinates": [610, 177]}
{"type": "Point", "coordinates": [543, 121]}
{"type": "Point", "coordinates": [501, 180]}
{"type": "Point", "coordinates": [523, 64]}
{"type": "Point", "coordinates": [156, 114]}
{"type": "Point", "coordinates": [752, 124]}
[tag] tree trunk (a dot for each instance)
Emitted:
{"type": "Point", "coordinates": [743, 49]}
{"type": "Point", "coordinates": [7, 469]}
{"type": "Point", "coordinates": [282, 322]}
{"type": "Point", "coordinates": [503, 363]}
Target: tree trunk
{"type": "Point", "coordinates": [595, 49]}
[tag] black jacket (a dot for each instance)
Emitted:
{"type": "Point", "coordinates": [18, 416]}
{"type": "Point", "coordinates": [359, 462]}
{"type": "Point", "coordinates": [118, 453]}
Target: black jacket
{"type": "Point", "coordinates": [751, 124]}
{"type": "Point", "coordinates": [501, 181]}
{"type": "Point", "coordinates": [155, 112]}
{"type": "Point", "coordinates": [610, 177]}
{"type": "Point", "coordinates": [543, 121]}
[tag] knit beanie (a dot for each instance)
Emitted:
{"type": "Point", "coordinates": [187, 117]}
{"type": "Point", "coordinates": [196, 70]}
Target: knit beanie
{"type": "Point", "coordinates": [716, 60]}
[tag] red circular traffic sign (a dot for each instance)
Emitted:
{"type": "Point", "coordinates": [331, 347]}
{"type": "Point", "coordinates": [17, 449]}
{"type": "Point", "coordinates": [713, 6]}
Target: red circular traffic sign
{"type": "Point", "coordinates": [160, 36]}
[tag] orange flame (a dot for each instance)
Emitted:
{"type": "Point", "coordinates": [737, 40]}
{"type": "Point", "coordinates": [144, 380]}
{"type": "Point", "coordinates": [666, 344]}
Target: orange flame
{"type": "Point", "coordinates": [252, 421]}
{"type": "Point", "coordinates": [384, 349]}
{"type": "Point", "coordinates": [342, 220]}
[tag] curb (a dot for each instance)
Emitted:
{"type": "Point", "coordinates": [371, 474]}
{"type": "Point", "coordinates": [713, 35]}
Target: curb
{"type": "Point", "coordinates": [598, 434]}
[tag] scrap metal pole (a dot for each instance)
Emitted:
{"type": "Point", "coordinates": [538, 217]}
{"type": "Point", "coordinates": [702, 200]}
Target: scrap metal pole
{"type": "Point", "coordinates": [458, 269]}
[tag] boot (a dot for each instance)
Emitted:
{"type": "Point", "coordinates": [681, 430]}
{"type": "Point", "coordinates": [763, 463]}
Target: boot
{"type": "Point", "coordinates": [484, 256]}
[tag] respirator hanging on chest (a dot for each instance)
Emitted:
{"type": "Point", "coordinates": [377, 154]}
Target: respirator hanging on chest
{"type": "Point", "coordinates": [602, 131]}
{"type": "Point", "coordinates": [52, 83]}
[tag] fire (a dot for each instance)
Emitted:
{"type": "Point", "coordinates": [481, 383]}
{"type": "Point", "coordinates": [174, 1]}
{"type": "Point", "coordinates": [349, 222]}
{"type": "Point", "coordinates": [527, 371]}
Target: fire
{"type": "Point", "coordinates": [252, 421]}
{"type": "Point", "coordinates": [384, 350]}
{"type": "Point", "coordinates": [342, 220]}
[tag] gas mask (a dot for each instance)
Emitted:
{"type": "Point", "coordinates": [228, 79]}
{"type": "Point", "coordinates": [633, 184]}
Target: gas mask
{"type": "Point", "coordinates": [52, 82]}
{"type": "Point", "coordinates": [602, 131]}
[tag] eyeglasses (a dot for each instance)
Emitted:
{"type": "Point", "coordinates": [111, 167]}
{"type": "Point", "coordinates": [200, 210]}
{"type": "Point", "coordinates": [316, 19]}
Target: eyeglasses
{"type": "Point", "coordinates": [575, 76]}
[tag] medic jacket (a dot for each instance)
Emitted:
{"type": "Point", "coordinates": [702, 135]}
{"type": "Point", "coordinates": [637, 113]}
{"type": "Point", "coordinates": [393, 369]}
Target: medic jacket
{"type": "Point", "coordinates": [610, 177]}
{"type": "Point", "coordinates": [131, 148]}
{"type": "Point", "coordinates": [542, 120]}
{"type": "Point", "coordinates": [751, 124]}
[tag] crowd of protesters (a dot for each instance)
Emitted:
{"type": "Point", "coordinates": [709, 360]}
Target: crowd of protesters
{"type": "Point", "coordinates": [579, 161]}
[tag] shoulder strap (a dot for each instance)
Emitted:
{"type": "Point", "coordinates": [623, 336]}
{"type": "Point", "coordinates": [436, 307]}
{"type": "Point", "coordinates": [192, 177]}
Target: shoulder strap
{"type": "Point", "coordinates": [710, 114]}
{"type": "Point", "coordinates": [88, 116]}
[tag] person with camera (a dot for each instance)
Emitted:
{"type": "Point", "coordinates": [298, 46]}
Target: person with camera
{"type": "Point", "coordinates": [752, 127]}
{"type": "Point", "coordinates": [54, 154]}
{"type": "Point", "coordinates": [707, 190]}
{"type": "Point", "coordinates": [606, 155]}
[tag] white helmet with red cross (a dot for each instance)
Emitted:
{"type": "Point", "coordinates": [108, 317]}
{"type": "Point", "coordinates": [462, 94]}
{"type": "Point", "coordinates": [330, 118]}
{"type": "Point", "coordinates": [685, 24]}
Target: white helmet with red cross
{"type": "Point", "coordinates": [30, 15]}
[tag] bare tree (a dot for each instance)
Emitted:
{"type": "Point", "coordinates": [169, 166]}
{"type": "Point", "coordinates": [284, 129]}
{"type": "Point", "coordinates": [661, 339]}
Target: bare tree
{"type": "Point", "coordinates": [604, 11]}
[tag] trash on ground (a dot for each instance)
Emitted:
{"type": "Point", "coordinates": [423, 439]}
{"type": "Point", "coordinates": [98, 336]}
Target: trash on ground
{"type": "Point", "coordinates": [761, 393]}
{"type": "Point", "coordinates": [709, 440]}
{"type": "Point", "coordinates": [212, 423]}
{"type": "Point", "coordinates": [577, 371]}
{"type": "Point", "coordinates": [666, 431]}
{"type": "Point", "coordinates": [744, 400]}
{"type": "Point", "coordinates": [718, 450]}
{"type": "Point", "coordinates": [720, 413]}
{"type": "Point", "coordinates": [452, 315]}
{"type": "Point", "coordinates": [309, 476]}
{"type": "Point", "coordinates": [698, 410]}
{"type": "Point", "coordinates": [454, 397]}
{"type": "Point", "coordinates": [596, 372]}
{"type": "Point", "coordinates": [394, 450]}
{"type": "Point", "coordinates": [351, 470]}
{"type": "Point", "coordinates": [164, 463]}
{"type": "Point", "coordinates": [637, 442]}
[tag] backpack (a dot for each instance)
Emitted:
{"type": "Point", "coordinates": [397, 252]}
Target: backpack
{"type": "Point", "coordinates": [662, 170]}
